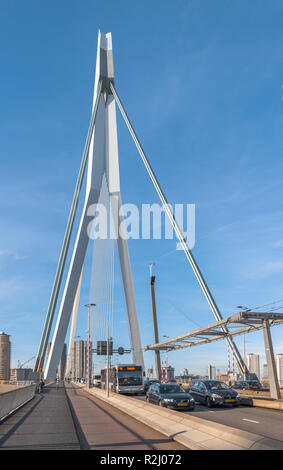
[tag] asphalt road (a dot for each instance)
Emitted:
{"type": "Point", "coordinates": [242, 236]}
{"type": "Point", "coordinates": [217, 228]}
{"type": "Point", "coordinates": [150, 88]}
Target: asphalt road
{"type": "Point", "coordinates": [265, 422]}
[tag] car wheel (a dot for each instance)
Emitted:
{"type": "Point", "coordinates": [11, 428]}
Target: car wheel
{"type": "Point", "coordinates": [208, 402]}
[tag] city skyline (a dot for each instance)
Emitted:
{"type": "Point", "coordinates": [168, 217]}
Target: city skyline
{"type": "Point", "coordinates": [253, 360]}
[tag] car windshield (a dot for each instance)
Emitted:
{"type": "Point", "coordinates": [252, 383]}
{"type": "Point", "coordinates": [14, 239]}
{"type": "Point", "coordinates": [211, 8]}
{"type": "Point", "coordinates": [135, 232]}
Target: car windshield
{"type": "Point", "coordinates": [171, 389]}
{"type": "Point", "coordinates": [214, 385]}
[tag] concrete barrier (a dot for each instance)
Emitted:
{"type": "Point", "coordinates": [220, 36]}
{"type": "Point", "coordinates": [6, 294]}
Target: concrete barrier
{"type": "Point", "coordinates": [191, 431]}
{"type": "Point", "coordinates": [262, 402]}
{"type": "Point", "coordinates": [13, 399]}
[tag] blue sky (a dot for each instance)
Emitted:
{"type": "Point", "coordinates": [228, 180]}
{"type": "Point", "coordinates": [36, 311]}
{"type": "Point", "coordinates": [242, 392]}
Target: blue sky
{"type": "Point", "coordinates": [202, 84]}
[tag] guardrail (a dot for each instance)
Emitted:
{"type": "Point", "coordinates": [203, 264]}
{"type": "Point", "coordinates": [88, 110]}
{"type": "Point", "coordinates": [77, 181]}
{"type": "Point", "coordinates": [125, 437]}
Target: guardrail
{"type": "Point", "coordinates": [191, 431]}
{"type": "Point", "coordinates": [14, 399]}
{"type": "Point", "coordinates": [21, 383]}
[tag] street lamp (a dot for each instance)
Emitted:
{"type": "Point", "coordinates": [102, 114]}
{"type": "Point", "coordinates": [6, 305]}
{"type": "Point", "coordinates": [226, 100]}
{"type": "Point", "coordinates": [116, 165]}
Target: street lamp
{"type": "Point", "coordinates": [88, 345]}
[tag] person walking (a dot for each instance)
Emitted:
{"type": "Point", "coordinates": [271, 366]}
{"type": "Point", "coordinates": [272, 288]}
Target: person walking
{"type": "Point", "coordinates": [40, 386]}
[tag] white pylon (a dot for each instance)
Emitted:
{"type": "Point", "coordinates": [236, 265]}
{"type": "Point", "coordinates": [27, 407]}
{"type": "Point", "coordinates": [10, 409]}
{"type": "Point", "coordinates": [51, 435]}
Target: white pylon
{"type": "Point", "coordinates": [102, 159]}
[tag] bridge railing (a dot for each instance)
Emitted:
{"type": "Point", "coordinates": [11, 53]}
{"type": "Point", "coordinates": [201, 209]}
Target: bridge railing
{"type": "Point", "coordinates": [14, 399]}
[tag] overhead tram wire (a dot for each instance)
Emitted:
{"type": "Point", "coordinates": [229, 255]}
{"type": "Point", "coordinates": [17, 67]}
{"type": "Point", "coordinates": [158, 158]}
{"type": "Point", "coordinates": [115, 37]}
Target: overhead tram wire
{"type": "Point", "coordinates": [179, 310]}
{"type": "Point", "coordinates": [266, 305]}
{"type": "Point", "coordinates": [172, 303]}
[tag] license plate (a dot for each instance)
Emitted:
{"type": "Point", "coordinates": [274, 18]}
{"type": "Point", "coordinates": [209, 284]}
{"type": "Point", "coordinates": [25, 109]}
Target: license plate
{"type": "Point", "coordinates": [230, 401]}
{"type": "Point", "coordinates": [182, 404]}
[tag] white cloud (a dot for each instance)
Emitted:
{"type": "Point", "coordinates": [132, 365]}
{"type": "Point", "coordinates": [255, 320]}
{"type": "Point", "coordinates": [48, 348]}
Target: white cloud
{"type": "Point", "coordinates": [263, 270]}
{"type": "Point", "coordinates": [12, 254]}
{"type": "Point", "coordinates": [278, 244]}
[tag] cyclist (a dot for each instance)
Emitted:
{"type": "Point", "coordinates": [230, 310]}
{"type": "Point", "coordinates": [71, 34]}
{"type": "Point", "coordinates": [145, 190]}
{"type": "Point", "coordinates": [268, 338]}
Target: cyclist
{"type": "Point", "coordinates": [40, 386]}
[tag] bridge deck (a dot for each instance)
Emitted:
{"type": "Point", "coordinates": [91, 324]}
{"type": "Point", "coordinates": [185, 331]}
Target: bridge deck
{"type": "Point", "coordinates": [70, 419]}
{"type": "Point", "coordinates": [102, 427]}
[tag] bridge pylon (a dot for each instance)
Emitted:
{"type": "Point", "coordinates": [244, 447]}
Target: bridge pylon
{"type": "Point", "coordinates": [101, 151]}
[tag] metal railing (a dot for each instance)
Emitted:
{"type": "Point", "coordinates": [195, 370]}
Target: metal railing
{"type": "Point", "coordinates": [13, 399]}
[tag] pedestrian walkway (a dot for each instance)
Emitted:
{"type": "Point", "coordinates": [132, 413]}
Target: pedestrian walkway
{"type": "Point", "coordinates": [66, 417]}
{"type": "Point", "coordinates": [101, 426]}
{"type": "Point", "coordinates": [45, 423]}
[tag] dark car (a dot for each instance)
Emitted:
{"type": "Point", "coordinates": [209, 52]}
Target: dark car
{"type": "Point", "coordinates": [213, 392]}
{"type": "Point", "coordinates": [170, 395]}
{"type": "Point", "coordinates": [147, 383]}
{"type": "Point", "coordinates": [247, 385]}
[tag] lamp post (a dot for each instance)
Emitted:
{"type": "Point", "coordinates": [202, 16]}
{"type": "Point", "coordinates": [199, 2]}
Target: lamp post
{"type": "Point", "coordinates": [88, 346]}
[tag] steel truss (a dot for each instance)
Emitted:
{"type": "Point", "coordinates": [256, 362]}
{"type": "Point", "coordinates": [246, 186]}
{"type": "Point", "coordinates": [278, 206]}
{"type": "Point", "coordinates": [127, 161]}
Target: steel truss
{"type": "Point", "coordinates": [253, 321]}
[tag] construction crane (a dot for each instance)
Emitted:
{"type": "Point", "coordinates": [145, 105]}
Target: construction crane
{"type": "Point", "coordinates": [20, 366]}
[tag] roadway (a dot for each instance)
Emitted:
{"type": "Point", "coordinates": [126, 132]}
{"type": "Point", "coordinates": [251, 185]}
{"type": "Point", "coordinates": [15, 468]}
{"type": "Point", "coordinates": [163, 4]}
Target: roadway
{"type": "Point", "coordinates": [265, 422]}
{"type": "Point", "coordinates": [68, 418]}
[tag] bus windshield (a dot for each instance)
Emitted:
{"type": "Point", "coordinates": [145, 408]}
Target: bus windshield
{"type": "Point", "coordinates": [133, 377]}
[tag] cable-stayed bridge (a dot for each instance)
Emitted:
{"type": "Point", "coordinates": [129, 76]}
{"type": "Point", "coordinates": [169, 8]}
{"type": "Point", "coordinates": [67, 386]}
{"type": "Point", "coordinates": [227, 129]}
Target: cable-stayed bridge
{"type": "Point", "coordinates": [103, 186]}
{"type": "Point", "coordinates": [103, 201]}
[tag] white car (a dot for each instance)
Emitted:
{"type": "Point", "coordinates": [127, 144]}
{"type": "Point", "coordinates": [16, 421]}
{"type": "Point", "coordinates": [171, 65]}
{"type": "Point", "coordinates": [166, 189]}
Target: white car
{"type": "Point", "coordinates": [97, 381]}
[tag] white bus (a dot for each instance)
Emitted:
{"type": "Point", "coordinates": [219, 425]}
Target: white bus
{"type": "Point", "coordinates": [124, 378]}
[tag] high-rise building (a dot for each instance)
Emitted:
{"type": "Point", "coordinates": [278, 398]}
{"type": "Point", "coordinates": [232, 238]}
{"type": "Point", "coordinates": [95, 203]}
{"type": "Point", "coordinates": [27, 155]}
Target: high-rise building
{"type": "Point", "coordinates": [252, 363]}
{"type": "Point", "coordinates": [170, 373]}
{"type": "Point", "coordinates": [279, 367]}
{"type": "Point", "coordinates": [211, 372]}
{"type": "Point", "coordinates": [78, 359]}
{"type": "Point", "coordinates": [5, 356]}
{"type": "Point", "coordinates": [265, 372]}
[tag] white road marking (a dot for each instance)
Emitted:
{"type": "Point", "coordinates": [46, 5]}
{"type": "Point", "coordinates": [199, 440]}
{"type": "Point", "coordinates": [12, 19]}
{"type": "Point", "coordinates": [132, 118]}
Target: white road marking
{"type": "Point", "coordinates": [250, 420]}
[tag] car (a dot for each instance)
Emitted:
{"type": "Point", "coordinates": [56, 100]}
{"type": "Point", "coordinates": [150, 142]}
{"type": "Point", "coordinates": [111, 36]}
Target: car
{"type": "Point", "coordinates": [170, 395]}
{"type": "Point", "coordinates": [247, 385]}
{"type": "Point", "coordinates": [97, 381]}
{"type": "Point", "coordinates": [213, 392]}
{"type": "Point", "coordinates": [148, 382]}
